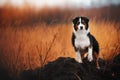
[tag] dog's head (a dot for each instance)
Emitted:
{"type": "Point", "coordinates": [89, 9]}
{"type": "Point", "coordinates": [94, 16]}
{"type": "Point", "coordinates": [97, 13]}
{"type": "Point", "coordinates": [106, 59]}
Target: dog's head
{"type": "Point", "coordinates": [80, 24]}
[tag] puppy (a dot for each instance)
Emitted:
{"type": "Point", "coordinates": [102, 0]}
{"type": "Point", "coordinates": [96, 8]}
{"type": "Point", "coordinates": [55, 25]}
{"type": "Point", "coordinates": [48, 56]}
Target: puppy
{"type": "Point", "coordinates": [84, 43]}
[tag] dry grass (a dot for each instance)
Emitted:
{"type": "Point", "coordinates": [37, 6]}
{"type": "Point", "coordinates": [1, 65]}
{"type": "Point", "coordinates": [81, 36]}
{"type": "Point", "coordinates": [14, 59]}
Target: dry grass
{"type": "Point", "coordinates": [22, 48]}
{"type": "Point", "coordinates": [107, 34]}
{"type": "Point", "coordinates": [31, 46]}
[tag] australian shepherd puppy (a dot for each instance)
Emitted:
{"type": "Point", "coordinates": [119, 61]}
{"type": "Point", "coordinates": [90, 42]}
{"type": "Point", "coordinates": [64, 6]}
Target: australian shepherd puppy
{"type": "Point", "coordinates": [83, 41]}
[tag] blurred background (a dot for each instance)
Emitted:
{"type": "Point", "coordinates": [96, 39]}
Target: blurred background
{"type": "Point", "coordinates": [61, 3]}
{"type": "Point", "coordinates": [35, 32]}
{"type": "Point", "coordinates": [52, 11]}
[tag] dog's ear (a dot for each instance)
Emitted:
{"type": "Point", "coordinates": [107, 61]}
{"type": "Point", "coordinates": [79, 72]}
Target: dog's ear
{"type": "Point", "coordinates": [75, 20]}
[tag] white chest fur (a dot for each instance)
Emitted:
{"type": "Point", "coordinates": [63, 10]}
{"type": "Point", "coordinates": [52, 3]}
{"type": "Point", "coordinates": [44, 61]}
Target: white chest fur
{"type": "Point", "coordinates": [82, 41]}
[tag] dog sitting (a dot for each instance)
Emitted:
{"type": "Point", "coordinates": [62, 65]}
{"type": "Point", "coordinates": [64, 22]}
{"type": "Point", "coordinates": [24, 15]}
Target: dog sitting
{"type": "Point", "coordinates": [84, 43]}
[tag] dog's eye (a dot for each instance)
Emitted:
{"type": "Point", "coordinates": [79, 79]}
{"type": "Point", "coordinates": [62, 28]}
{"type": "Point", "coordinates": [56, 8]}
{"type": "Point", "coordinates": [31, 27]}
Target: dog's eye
{"type": "Point", "coordinates": [78, 23]}
{"type": "Point", "coordinates": [83, 22]}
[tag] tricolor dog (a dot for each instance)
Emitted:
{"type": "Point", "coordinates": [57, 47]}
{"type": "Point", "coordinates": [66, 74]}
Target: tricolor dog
{"type": "Point", "coordinates": [83, 41]}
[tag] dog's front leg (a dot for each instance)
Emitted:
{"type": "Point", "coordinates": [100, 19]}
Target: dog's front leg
{"type": "Point", "coordinates": [90, 56]}
{"type": "Point", "coordinates": [78, 57]}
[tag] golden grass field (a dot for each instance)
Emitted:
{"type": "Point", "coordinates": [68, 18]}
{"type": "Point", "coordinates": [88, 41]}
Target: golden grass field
{"type": "Point", "coordinates": [31, 39]}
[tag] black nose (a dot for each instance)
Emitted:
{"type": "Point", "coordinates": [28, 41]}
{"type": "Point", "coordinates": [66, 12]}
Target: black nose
{"type": "Point", "coordinates": [81, 27]}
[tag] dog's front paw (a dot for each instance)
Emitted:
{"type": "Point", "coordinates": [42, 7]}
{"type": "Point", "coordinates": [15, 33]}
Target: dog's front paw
{"type": "Point", "coordinates": [79, 60]}
{"type": "Point", "coordinates": [90, 57]}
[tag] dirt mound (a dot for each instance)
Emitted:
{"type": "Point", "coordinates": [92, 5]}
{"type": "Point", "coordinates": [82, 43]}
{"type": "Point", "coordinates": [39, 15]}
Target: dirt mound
{"type": "Point", "coordinates": [69, 69]}
{"type": "Point", "coordinates": [113, 69]}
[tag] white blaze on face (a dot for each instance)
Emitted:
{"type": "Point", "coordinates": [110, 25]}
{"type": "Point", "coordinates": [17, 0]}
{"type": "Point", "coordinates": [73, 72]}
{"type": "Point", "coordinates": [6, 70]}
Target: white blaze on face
{"type": "Point", "coordinates": [81, 25]}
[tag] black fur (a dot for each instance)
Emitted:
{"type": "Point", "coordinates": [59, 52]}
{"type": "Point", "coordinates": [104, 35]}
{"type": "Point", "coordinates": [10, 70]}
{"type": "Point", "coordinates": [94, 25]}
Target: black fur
{"type": "Point", "coordinates": [75, 22]}
{"type": "Point", "coordinates": [73, 41]}
{"type": "Point", "coordinates": [93, 43]}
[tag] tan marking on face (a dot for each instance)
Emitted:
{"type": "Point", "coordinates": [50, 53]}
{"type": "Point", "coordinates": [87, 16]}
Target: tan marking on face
{"type": "Point", "coordinates": [83, 22]}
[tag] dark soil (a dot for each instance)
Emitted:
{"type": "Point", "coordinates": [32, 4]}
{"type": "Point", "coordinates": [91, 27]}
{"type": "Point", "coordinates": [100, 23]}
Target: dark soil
{"type": "Point", "coordinates": [69, 69]}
